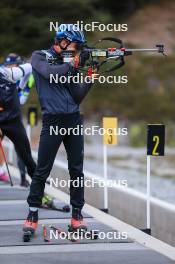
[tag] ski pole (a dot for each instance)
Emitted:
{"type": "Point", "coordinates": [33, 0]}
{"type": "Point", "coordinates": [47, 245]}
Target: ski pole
{"type": "Point", "coordinates": [3, 153]}
{"type": "Point", "coordinates": [44, 235]}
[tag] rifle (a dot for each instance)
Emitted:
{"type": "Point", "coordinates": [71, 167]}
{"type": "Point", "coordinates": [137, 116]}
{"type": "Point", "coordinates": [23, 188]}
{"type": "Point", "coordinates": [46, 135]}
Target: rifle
{"type": "Point", "coordinates": [97, 57]}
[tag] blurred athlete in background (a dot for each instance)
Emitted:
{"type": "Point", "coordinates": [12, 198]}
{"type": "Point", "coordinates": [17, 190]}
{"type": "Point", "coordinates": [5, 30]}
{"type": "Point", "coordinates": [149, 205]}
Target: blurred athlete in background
{"type": "Point", "coordinates": [11, 125]}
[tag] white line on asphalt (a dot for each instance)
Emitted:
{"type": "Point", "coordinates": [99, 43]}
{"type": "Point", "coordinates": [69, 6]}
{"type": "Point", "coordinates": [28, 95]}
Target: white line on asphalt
{"type": "Point", "coordinates": [36, 249]}
{"type": "Point", "coordinates": [12, 187]}
{"type": "Point", "coordinates": [12, 202]}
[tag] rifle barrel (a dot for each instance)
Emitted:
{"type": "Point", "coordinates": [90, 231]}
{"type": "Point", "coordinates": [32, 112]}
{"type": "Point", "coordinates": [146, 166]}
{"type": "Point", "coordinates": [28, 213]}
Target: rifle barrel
{"type": "Point", "coordinates": [133, 50]}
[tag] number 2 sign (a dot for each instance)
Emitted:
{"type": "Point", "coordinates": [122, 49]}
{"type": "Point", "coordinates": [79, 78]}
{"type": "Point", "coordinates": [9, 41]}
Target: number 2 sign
{"type": "Point", "coordinates": [156, 139]}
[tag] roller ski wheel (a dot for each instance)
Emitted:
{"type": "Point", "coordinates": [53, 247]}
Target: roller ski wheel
{"type": "Point", "coordinates": [27, 235]}
{"type": "Point", "coordinates": [66, 208]}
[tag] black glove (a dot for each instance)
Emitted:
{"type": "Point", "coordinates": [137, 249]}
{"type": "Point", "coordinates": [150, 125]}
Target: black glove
{"type": "Point", "coordinates": [83, 57]}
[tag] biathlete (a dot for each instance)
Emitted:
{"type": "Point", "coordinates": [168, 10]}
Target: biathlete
{"type": "Point", "coordinates": [60, 108]}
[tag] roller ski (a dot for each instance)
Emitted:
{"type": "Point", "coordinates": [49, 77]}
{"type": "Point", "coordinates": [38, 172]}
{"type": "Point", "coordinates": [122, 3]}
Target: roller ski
{"type": "Point", "coordinates": [48, 203]}
{"type": "Point", "coordinates": [30, 226]}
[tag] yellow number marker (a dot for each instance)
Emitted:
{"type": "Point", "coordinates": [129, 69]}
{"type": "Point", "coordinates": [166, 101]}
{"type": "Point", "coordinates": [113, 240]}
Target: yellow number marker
{"type": "Point", "coordinates": [157, 140]}
{"type": "Point", "coordinates": [110, 125]}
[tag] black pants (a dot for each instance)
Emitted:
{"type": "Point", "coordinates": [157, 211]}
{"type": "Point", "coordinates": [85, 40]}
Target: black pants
{"type": "Point", "coordinates": [22, 168]}
{"type": "Point", "coordinates": [15, 131]}
{"type": "Point", "coordinates": [48, 147]}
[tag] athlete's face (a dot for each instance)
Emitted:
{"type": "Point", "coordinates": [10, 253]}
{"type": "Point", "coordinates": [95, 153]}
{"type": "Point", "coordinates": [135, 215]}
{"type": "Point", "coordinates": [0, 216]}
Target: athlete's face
{"type": "Point", "coordinates": [70, 46]}
{"type": "Point", "coordinates": [66, 45]}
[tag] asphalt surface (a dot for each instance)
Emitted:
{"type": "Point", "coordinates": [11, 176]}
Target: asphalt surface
{"type": "Point", "coordinates": [13, 208]}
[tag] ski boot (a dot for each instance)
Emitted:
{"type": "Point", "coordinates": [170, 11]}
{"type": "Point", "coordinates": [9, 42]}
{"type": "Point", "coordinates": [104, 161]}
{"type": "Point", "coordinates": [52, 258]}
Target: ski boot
{"type": "Point", "coordinates": [77, 222]}
{"type": "Point", "coordinates": [30, 226]}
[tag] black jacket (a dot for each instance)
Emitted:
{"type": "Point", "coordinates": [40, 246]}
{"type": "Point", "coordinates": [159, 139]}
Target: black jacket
{"type": "Point", "coordinates": [9, 100]}
{"type": "Point", "coordinates": [54, 97]}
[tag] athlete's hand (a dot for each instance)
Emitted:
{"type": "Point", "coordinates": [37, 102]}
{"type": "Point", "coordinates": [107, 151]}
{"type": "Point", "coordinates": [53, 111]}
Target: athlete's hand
{"type": "Point", "coordinates": [71, 62]}
{"type": "Point", "coordinates": [83, 57]}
